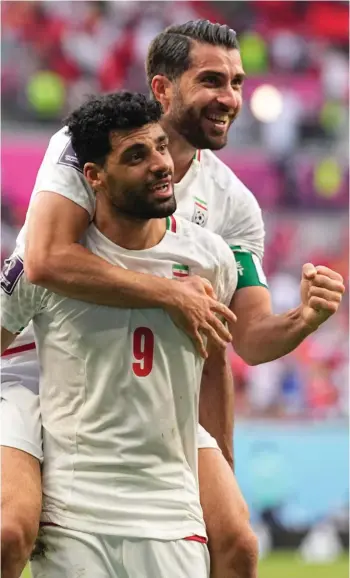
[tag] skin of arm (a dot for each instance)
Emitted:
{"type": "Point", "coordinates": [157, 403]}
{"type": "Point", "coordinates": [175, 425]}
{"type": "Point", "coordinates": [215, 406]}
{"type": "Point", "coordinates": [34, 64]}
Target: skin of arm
{"type": "Point", "coordinates": [6, 339]}
{"type": "Point", "coordinates": [55, 260]}
{"type": "Point", "coordinates": [260, 336]}
{"type": "Point", "coordinates": [216, 401]}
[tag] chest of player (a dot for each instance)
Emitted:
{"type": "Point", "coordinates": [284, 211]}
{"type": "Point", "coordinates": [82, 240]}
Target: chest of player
{"type": "Point", "coordinates": [199, 201]}
{"type": "Point", "coordinates": [112, 360]}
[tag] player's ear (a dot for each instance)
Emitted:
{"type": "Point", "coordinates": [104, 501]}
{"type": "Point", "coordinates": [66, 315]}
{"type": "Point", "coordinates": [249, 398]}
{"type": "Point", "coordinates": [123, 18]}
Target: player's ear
{"type": "Point", "coordinates": [162, 89]}
{"type": "Point", "coordinates": [92, 173]}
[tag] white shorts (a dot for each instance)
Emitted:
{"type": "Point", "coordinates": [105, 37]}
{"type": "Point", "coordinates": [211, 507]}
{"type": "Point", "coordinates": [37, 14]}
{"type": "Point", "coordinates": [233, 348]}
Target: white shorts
{"type": "Point", "coordinates": [67, 553]}
{"type": "Point", "coordinates": [205, 440]}
{"type": "Point", "coordinates": [20, 419]}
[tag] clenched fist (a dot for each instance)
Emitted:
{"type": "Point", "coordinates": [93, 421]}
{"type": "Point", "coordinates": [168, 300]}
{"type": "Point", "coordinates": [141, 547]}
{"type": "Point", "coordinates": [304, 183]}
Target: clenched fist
{"type": "Point", "coordinates": [321, 293]}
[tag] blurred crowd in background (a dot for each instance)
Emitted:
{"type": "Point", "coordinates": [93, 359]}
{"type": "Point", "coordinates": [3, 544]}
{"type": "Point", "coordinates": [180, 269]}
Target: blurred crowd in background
{"type": "Point", "coordinates": [289, 146]}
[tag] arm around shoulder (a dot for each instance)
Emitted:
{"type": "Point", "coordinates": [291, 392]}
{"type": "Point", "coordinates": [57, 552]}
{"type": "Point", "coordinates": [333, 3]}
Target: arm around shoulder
{"type": "Point", "coordinates": [55, 223]}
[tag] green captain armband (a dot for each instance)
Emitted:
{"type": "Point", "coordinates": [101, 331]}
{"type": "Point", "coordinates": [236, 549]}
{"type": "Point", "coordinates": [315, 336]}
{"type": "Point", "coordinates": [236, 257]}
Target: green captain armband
{"type": "Point", "coordinates": [249, 269]}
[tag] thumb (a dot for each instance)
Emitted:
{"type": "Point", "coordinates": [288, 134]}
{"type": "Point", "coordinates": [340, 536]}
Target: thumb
{"type": "Point", "coordinates": [309, 271]}
{"type": "Point", "coordinates": [209, 288]}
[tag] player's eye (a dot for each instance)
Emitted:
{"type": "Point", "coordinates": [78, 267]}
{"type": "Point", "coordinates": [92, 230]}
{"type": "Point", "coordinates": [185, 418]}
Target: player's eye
{"type": "Point", "coordinates": [210, 80]}
{"type": "Point", "coordinates": [237, 82]}
{"type": "Point", "coordinates": [135, 158]}
{"type": "Point", "coordinates": [163, 148]}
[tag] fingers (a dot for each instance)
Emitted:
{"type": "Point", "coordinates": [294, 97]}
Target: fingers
{"type": "Point", "coordinates": [201, 284]}
{"type": "Point", "coordinates": [319, 304]}
{"type": "Point", "coordinates": [221, 330]}
{"type": "Point", "coordinates": [315, 291]}
{"type": "Point", "coordinates": [309, 271]}
{"type": "Point", "coordinates": [216, 332]}
{"type": "Point", "coordinates": [224, 311]}
{"type": "Point", "coordinates": [329, 273]}
{"type": "Point", "coordinates": [209, 290]}
{"type": "Point", "coordinates": [199, 343]}
{"type": "Point", "coordinates": [328, 283]}
{"type": "Point", "coordinates": [214, 337]}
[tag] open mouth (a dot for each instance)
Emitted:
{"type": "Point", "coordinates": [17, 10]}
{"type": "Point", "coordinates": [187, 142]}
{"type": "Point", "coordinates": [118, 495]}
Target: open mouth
{"type": "Point", "coordinates": [218, 120]}
{"type": "Point", "coordinates": [162, 188]}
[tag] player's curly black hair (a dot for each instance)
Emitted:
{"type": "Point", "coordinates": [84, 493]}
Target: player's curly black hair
{"type": "Point", "coordinates": [90, 125]}
{"type": "Point", "coordinates": [169, 51]}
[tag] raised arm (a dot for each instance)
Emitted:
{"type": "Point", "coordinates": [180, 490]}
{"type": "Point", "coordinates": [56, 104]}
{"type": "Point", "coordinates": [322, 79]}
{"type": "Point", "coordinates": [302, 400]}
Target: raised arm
{"type": "Point", "coordinates": [260, 336]}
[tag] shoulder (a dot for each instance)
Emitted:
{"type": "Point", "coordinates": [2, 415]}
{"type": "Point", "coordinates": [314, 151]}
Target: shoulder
{"type": "Point", "coordinates": [226, 180]}
{"type": "Point", "coordinates": [13, 280]}
{"type": "Point", "coordinates": [212, 257]}
{"type": "Point", "coordinates": [60, 150]}
{"type": "Point", "coordinates": [202, 239]}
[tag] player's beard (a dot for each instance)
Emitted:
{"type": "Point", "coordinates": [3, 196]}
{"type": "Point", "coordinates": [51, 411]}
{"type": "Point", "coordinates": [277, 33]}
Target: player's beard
{"type": "Point", "coordinates": [140, 203]}
{"type": "Point", "coordinates": [189, 122]}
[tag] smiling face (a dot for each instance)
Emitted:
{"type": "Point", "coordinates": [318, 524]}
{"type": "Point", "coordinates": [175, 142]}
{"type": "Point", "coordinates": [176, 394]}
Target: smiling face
{"type": "Point", "coordinates": [137, 174]}
{"type": "Point", "coordinates": [202, 104]}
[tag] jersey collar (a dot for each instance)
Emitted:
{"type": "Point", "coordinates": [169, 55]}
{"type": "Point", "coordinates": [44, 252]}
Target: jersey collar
{"type": "Point", "coordinates": [191, 174]}
{"type": "Point", "coordinates": [171, 224]}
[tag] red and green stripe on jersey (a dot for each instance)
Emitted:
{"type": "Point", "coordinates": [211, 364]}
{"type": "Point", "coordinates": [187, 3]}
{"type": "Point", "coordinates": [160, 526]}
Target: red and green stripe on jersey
{"type": "Point", "coordinates": [200, 203]}
{"type": "Point", "coordinates": [200, 213]}
{"type": "Point", "coordinates": [171, 224]}
{"type": "Point", "coordinates": [179, 271]}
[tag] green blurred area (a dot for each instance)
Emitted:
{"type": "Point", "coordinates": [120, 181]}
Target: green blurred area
{"type": "Point", "coordinates": [287, 565]}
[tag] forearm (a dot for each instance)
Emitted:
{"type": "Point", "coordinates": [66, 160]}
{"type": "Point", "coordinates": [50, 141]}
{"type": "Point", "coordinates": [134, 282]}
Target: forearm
{"type": "Point", "coordinates": [270, 337]}
{"type": "Point", "coordinates": [216, 405]}
{"type": "Point", "coordinates": [74, 271]}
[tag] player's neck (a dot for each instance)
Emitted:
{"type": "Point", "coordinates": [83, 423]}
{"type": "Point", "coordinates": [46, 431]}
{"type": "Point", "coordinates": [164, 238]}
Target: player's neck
{"type": "Point", "coordinates": [181, 151]}
{"type": "Point", "coordinates": [131, 234]}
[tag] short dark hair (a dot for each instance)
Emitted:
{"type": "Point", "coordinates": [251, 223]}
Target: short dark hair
{"type": "Point", "coordinates": [169, 52]}
{"type": "Point", "coordinates": [90, 125]}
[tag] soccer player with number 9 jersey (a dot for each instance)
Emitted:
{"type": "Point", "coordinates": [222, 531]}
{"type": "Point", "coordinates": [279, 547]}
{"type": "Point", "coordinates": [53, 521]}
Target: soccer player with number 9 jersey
{"type": "Point", "coordinates": [119, 388]}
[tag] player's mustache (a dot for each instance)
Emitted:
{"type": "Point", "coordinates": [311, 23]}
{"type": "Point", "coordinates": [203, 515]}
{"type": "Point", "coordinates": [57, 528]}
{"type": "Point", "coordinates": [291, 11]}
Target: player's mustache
{"type": "Point", "coordinates": [164, 176]}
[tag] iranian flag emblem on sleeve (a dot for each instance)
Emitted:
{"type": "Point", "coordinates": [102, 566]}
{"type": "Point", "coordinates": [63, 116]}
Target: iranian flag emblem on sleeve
{"type": "Point", "coordinates": [200, 214]}
{"type": "Point", "coordinates": [180, 271]}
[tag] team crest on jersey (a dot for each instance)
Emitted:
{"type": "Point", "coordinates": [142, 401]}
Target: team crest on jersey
{"type": "Point", "coordinates": [11, 274]}
{"type": "Point", "coordinates": [68, 158]}
{"type": "Point", "coordinates": [180, 271]}
{"type": "Point", "coordinates": [200, 214]}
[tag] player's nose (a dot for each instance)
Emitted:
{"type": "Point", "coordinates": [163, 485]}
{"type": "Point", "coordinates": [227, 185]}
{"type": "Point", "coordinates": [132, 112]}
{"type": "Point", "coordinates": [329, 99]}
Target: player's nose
{"type": "Point", "coordinates": [230, 99]}
{"type": "Point", "coordinates": [161, 163]}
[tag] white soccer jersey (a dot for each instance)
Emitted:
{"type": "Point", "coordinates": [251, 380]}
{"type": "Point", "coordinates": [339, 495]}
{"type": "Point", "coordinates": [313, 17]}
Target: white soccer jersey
{"type": "Point", "coordinates": [210, 194]}
{"type": "Point", "coordinates": [119, 393]}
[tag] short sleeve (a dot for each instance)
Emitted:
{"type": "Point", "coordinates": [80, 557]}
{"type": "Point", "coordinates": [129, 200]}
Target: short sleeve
{"type": "Point", "coordinates": [60, 173]}
{"type": "Point", "coordinates": [244, 226]}
{"type": "Point", "coordinates": [226, 281]}
{"type": "Point", "coordinates": [20, 300]}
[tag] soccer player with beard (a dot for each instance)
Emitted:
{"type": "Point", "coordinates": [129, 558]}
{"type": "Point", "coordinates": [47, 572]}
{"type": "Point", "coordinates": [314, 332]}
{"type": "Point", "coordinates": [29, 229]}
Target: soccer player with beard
{"type": "Point", "coordinates": [195, 71]}
{"type": "Point", "coordinates": [119, 388]}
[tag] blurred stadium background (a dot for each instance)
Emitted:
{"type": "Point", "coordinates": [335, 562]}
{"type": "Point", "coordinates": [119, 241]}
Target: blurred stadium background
{"type": "Point", "coordinates": [290, 147]}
